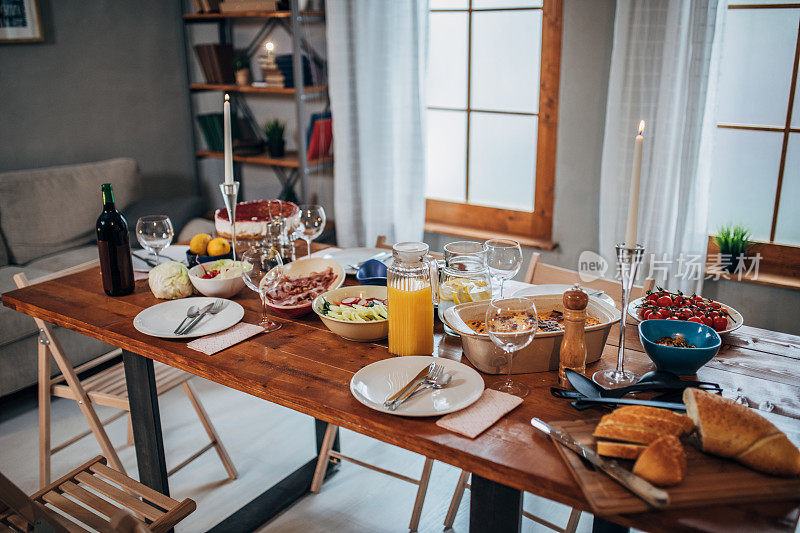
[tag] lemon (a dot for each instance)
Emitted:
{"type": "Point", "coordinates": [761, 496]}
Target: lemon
{"type": "Point", "coordinates": [218, 246]}
{"type": "Point", "coordinates": [199, 243]}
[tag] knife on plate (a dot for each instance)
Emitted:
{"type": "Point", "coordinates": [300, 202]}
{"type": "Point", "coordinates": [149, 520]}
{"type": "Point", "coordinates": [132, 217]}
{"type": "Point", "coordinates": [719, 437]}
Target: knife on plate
{"type": "Point", "coordinates": [414, 382]}
{"type": "Point", "coordinates": [644, 490]}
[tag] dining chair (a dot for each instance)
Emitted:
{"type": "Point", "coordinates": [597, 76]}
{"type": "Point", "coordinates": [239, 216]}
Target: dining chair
{"type": "Point", "coordinates": [540, 273]}
{"type": "Point", "coordinates": [93, 497]}
{"type": "Point", "coordinates": [106, 387]}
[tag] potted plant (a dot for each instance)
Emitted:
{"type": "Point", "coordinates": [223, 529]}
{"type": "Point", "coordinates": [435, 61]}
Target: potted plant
{"type": "Point", "coordinates": [733, 241]}
{"type": "Point", "coordinates": [241, 68]}
{"type": "Point", "coordinates": [276, 145]}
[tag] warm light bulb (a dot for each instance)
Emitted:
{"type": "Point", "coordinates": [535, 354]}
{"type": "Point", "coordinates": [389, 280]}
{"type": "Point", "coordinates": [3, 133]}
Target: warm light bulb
{"type": "Point", "coordinates": [641, 127]}
{"type": "Point", "coordinates": [269, 46]}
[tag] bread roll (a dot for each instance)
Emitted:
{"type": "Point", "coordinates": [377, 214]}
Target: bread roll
{"type": "Point", "coordinates": [621, 450]}
{"type": "Point", "coordinates": [663, 462]}
{"type": "Point", "coordinates": [729, 429]}
{"type": "Point", "coordinates": [686, 423]}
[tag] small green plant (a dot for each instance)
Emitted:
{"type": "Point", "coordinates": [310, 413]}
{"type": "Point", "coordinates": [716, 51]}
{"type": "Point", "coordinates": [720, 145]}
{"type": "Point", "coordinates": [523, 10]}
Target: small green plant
{"type": "Point", "coordinates": [241, 63]}
{"type": "Point", "coordinates": [733, 241]}
{"type": "Point", "coordinates": [273, 130]}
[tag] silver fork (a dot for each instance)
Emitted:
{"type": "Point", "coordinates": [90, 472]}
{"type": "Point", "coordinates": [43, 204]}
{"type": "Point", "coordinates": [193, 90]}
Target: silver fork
{"type": "Point", "coordinates": [216, 308]}
{"type": "Point", "coordinates": [434, 375]}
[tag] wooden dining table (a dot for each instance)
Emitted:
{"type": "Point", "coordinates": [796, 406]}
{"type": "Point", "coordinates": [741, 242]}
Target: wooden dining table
{"type": "Point", "coordinates": [307, 368]}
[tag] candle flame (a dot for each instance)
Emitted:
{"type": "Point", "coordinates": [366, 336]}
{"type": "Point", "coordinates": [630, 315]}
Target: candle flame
{"type": "Point", "coordinates": [227, 97]}
{"type": "Point", "coordinates": [641, 127]}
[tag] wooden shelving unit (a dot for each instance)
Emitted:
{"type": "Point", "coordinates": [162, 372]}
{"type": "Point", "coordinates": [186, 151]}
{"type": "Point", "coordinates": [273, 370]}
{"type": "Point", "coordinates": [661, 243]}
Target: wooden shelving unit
{"type": "Point", "coordinates": [233, 88]}
{"type": "Point", "coordinates": [212, 17]}
{"type": "Point", "coordinates": [290, 160]}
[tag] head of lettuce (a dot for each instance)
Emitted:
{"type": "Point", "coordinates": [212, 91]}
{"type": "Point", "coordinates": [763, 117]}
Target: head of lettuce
{"type": "Point", "coordinates": [170, 281]}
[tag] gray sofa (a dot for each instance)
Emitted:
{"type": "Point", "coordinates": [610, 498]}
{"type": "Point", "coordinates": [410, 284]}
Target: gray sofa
{"type": "Point", "coordinates": [47, 219]}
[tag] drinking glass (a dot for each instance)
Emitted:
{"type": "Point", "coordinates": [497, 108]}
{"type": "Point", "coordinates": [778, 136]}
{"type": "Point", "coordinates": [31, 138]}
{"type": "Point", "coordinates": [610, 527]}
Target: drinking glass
{"type": "Point", "coordinates": [464, 248]}
{"type": "Point", "coordinates": [154, 233]}
{"type": "Point", "coordinates": [511, 324]}
{"type": "Point", "coordinates": [263, 277]}
{"type": "Point", "coordinates": [310, 224]}
{"type": "Point", "coordinates": [504, 258]}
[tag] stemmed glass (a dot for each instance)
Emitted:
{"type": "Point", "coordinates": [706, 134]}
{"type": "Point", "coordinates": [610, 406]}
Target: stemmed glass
{"type": "Point", "coordinates": [154, 233]}
{"type": "Point", "coordinates": [504, 258]}
{"type": "Point", "coordinates": [310, 224]}
{"type": "Point", "coordinates": [511, 324]}
{"type": "Point", "coordinates": [262, 277]}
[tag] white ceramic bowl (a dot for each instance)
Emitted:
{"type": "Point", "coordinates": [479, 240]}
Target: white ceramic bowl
{"type": "Point", "coordinates": [353, 331]}
{"type": "Point", "coordinates": [215, 288]}
{"type": "Point", "coordinates": [304, 267]}
{"type": "Point", "coordinates": [541, 355]}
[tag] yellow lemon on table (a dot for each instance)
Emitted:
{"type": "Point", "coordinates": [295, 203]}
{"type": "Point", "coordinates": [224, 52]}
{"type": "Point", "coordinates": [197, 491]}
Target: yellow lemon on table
{"type": "Point", "coordinates": [218, 246]}
{"type": "Point", "coordinates": [199, 243]}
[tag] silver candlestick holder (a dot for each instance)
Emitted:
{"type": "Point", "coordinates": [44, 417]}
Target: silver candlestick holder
{"type": "Point", "coordinates": [230, 193]}
{"type": "Point", "coordinates": [628, 260]}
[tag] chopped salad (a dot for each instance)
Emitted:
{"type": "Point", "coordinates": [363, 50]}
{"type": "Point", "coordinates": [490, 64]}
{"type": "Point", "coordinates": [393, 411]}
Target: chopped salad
{"type": "Point", "coordinates": [355, 309]}
{"type": "Point", "coordinates": [224, 269]}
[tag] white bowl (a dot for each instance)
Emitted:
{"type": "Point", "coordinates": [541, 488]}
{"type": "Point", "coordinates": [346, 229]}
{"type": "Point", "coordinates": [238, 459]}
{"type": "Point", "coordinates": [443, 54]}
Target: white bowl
{"type": "Point", "coordinates": [304, 267]}
{"type": "Point", "coordinates": [215, 288]}
{"type": "Point", "coordinates": [541, 355]}
{"type": "Point", "coordinates": [354, 331]}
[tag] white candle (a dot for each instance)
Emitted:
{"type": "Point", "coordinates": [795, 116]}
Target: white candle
{"type": "Point", "coordinates": [633, 199]}
{"type": "Point", "coordinates": [228, 143]}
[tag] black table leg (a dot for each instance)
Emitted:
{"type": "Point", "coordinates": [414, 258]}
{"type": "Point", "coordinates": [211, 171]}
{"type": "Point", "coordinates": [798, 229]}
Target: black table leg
{"type": "Point", "coordinates": [146, 421]}
{"type": "Point", "coordinates": [600, 525]}
{"type": "Point", "coordinates": [494, 507]}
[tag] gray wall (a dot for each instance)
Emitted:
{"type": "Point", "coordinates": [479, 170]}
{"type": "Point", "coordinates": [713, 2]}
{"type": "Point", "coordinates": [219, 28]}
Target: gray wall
{"type": "Point", "coordinates": [109, 81]}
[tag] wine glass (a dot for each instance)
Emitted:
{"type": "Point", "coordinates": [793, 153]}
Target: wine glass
{"type": "Point", "coordinates": [262, 277]}
{"type": "Point", "coordinates": [511, 324]}
{"type": "Point", "coordinates": [504, 258]}
{"type": "Point", "coordinates": [154, 233]}
{"type": "Point", "coordinates": [310, 224]}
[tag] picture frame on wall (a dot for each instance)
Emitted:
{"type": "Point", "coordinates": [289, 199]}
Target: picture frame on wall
{"type": "Point", "coordinates": [20, 22]}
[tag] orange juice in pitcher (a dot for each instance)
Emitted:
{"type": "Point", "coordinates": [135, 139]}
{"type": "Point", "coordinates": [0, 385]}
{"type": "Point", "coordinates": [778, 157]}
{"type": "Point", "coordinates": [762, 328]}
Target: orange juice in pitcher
{"type": "Point", "coordinates": [412, 291]}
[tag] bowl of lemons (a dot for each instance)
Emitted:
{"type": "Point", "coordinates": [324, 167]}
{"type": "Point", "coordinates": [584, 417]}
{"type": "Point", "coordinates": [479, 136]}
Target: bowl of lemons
{"type": "Point", "coordinates": [203, 248]}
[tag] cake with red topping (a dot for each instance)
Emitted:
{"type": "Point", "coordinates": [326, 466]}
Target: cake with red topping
{"type": "Point", "coordinates": [252, 218]}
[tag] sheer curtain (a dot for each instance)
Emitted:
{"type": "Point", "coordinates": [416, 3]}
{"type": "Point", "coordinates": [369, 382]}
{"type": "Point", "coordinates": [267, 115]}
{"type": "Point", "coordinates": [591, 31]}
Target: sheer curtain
{"type": "Point", "coordinates": [664, 69]}
{"type": "Point", "coordinates": [377, 56]}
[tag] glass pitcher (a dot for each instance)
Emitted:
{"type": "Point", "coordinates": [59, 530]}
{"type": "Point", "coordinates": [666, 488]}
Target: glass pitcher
{"type": "Point", "coordinates": [465, 279]}
{"type": "Point", "coordinates": [411, 283]}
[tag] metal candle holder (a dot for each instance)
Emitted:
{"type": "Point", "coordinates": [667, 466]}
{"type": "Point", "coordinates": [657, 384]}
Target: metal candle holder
{"type": "Point", "coordinates": [628, 260]}
{"type": "Point", "coordinates": [230, 193]}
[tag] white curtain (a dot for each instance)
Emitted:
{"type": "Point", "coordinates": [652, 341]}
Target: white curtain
{"type": "Point", "coordinates": [377, 57]}
{"type": "Point", "coordinates": [664, 68]}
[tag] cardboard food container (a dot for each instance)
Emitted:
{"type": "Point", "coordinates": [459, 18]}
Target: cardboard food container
{"type": "Point", "coordinates": [541, 355]}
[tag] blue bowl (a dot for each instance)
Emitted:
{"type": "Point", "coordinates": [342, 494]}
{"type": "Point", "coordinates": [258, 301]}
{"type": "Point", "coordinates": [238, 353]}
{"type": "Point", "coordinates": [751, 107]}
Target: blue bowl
{"type": "Point", "coordinates": [372, 272]}
{"type": "Point", "coordinates": [683, 361]}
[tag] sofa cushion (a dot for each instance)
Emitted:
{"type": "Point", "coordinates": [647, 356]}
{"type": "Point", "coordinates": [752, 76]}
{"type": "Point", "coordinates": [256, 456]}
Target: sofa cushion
{"type": "Point", "coordinates": [47, 210]}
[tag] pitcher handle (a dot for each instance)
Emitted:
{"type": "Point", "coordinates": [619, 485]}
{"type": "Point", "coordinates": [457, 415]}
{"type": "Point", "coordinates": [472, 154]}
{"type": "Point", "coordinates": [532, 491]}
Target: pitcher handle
{"type": "Point", "coordinates": [433, 266]}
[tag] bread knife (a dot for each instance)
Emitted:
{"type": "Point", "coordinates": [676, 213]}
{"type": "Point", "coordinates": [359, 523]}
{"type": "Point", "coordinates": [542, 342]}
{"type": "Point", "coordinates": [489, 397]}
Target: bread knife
{"type": "Point", "coordinates": [641, 488]}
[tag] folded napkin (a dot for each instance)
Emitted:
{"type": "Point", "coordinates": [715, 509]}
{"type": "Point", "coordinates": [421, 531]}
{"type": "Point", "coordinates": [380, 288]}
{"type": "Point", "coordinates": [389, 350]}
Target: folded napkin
{"type": "Point", "coordinates": [472, 421]}
{"type": "Point", "coordinates": [211, 344]}
{"type": "Point", "coordinates": [138, 275]}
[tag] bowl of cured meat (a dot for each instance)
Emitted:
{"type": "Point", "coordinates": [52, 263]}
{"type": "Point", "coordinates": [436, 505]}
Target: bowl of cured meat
{"type": "Point", "coordinates": [294, 286]}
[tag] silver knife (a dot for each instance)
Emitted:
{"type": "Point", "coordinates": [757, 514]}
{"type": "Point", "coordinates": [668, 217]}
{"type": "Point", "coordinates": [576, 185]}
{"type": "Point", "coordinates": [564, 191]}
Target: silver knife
{"type": "Point", "coordinates": [417, 379]}
{"type": "Point", "coordinates": [650, 494]}
{"type": "Point", "coordinates": [197, 319]}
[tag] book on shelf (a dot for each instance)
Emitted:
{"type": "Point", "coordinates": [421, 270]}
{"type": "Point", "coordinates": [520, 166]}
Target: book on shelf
{"type": "Point", "coordinates": [285, 64]}
{"type": "Point", "coordinates": [216, 61]}
{"type": "Point", "coordinates": [319, 137]}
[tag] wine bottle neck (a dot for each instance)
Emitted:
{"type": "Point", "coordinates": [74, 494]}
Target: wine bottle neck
{"type": "Point", "coordinates": [108, 198]}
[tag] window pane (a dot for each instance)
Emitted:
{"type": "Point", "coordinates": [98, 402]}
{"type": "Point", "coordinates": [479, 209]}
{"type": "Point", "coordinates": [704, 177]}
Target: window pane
{"type": "Point", "coordinates": [449, 4]}
{"type": "Point", "coordinates": [744, 174]}
{"type": "Point", "coordinates": [787, 230]}
{"type": "Point", "coordinates": [757, 60]}
{"type": "Point", "coordinates": [506, 50]}
{"type": "Point", "coordinates": [502, 160]}
{"type": "Point", "coordinates": [447, 60]}
{"type": "Point", "coordinates": [482, 4]}
{"type": "Point", "coordinates": [446, 173]}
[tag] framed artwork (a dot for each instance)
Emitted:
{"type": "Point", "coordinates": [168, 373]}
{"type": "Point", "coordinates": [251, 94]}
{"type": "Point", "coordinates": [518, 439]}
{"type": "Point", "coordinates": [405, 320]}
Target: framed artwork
{"type": "Point", "coordinates": [20, 22]}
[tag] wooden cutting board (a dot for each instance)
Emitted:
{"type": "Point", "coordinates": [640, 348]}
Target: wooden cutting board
{"type": "Point", "coordinates": [709, 480]}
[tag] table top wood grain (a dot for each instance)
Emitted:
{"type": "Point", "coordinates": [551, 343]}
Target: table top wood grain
{"type": "Point", "coordinates": [305, 367]}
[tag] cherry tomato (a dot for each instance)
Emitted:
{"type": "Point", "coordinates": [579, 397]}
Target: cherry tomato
{"type": "Point", "coordinates": [664, 301]}
{"type": "Point", "coordinates": [715, 305]}
{"type": "Point", "coordinates": [673, 318]}
{"type": "Point", "coordinates": [720, 323]}
{"type": "Point", "coordinates": [696, 319]}
{"type": "Point", "coordinates": [647, 314]}
{"type": "Point", "coordinates": [708, 321]}
{"type": "Point", "coordinates": [714, 314]}
{"type": "Point", "coordinates": [677, 300]}
{"type": "Point", "coordinates": [652, 297]}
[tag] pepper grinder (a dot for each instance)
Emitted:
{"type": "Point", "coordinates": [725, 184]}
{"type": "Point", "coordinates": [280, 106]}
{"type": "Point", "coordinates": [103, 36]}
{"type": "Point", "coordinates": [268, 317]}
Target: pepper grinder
{"type": "Point", "coordinates": [573, 346]}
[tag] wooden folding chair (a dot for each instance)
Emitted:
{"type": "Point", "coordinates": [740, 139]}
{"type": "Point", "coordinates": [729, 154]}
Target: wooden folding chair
{"type": "Point", "coordinates": [327, 452]}
{"type": "Point", "coordinates": [541, 274]}
{"type": "Point", "coordinates": [93, 497]}
{"type": "Point", "coordinates": [107, 387]}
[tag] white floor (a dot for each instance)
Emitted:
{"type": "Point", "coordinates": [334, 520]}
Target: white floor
{"type": "Point", "coordinates": [266, 442]}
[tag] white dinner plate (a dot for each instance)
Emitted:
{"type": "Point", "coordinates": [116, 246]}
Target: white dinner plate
{"type": "Point", "coordinates": [374, 383]}
{"type": "Point", "coordinates": [176, 252]}
{"type": "Point", "coordinates": [558, 288]}
{"type": "Point", "coordinates": [353, 256]}
{"type": "Point", "coordinates": [735, 321]}
{"type": "Point", "coordinates": [161, 319]}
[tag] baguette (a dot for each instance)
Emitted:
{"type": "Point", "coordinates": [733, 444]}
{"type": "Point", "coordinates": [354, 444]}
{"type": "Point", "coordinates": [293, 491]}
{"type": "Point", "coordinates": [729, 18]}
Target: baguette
{"type": "Point", "coordinates": [729, 429]}
{"type": "Point", "coordinates": [654, 423]}
{"type": "Point", "coordinates": [686, 423]}
{"type": "Point", "coordinates": [608, 429]}
{"type": "Point", "coordinates": [620, 450]}
{"type": "Point", "coordinates": [663, 462]}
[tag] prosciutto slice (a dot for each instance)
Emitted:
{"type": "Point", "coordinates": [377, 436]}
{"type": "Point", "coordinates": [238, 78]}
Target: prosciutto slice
{"type": "Point", "coordinates": [299, 290]}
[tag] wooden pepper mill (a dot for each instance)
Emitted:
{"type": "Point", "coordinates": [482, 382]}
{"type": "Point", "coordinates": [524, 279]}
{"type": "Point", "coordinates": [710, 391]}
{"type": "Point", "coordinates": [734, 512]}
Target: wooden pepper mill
{"type": "Point", "coordinates": [573, 346]}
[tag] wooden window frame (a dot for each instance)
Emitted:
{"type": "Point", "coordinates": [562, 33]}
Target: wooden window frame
{"type": "Point", "coordinates": [530, 228]}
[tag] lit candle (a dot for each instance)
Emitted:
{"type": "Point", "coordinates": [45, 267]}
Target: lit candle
{"type": "Point", "coordinates": [633, 199]}
{"type": "Point", "coordinates": [226, 107]}
{"type": "Point", "coordinates": [270, 47]}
